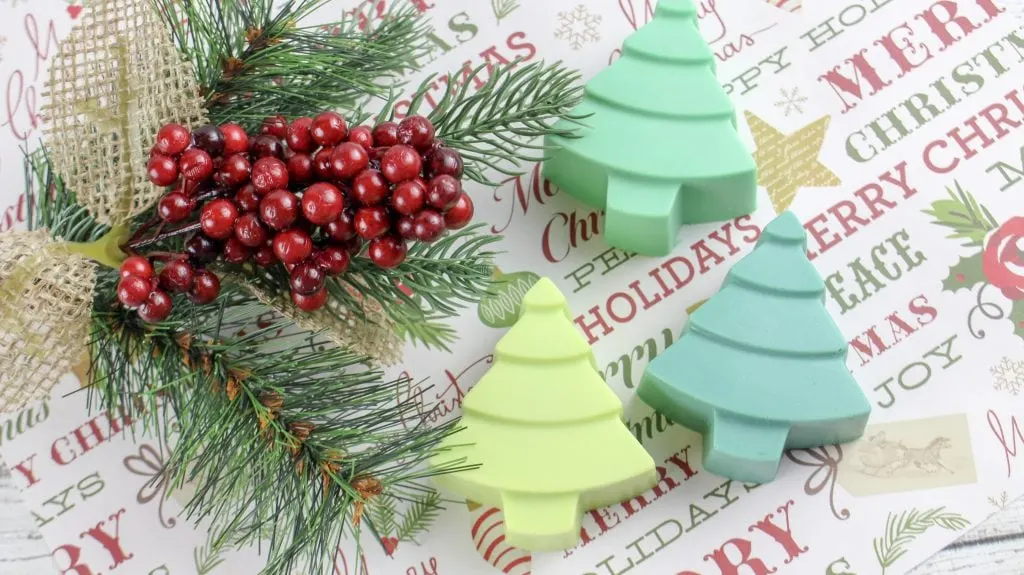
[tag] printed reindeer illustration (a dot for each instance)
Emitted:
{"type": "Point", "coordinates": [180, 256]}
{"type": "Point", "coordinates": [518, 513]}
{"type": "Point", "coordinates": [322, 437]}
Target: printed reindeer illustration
{"type": "Point", "coordinates": [880, 456]}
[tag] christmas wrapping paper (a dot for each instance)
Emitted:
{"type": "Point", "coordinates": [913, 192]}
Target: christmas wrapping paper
{"type": "Point", "coordinates": [892, 128]}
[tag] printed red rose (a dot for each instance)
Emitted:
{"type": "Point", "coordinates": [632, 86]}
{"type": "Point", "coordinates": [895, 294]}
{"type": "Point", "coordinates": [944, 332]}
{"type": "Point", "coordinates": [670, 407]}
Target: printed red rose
{"type": "Point", "coordinates": [1003, 260]}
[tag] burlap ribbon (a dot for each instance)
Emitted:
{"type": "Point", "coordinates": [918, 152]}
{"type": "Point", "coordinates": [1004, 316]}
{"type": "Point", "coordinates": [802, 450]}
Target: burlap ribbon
{"type": "Point", "coordinates": [116, 79]}
{"type": "Point", "coordinates": [45, 303]}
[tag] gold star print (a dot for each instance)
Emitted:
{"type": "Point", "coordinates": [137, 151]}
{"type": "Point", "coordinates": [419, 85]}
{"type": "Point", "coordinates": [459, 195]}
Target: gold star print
{"type": "Point", "coordinates": [788, 162]}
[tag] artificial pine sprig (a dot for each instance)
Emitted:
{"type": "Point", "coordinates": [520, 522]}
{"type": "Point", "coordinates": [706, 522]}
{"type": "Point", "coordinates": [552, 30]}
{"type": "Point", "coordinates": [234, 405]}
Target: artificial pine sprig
{"type": "Point", "coordinates": [258, 58]}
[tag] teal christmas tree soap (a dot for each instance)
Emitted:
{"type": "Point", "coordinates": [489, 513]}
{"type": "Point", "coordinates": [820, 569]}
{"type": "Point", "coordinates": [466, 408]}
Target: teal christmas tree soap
{"type": "Point", "coordinates": [545, 431]}
{"type": "Point", "coordinates": [761, 366]}
{"type": "Point", "coordinates": [660, 147]}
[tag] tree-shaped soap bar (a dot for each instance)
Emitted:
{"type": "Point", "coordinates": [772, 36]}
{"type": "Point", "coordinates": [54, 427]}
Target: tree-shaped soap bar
{"type": "Point", "coordinates": [545, 432]}
{"type": "Point", "coordinates": [660, 147]}
{"type": "Point", "coordinates": [761, 366]}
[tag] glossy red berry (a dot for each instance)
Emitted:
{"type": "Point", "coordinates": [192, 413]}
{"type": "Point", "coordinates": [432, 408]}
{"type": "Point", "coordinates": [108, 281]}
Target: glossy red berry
{"type": "Point", "coordinates": [329, 129]}
{"type": "Point", "coordinates": [269, 174]}
{"type": "Point", "coordinates": [310, 302]}
{"type": "Point", "coordinates": [264, 256]}
{"type": "Point", "coordinates": [209, 138]}
{"type": "Point", "coordinates": [275, 126]}
{"type": "Point", "coordinates": [342, 229]}
{"type": "Point", "coordinates": [371, 222]}
{"type": "Point", "coordinates": [279, 209]}
{"type": "Point", "coordinates": [266, 146]}
{"type": "Point", "coordinates": [405, 227]}
{"type": "Point", "coordinates": [443, 191]}
{"type": "Point", "coordinates": [300, 168]}
{"type": "Point", "coordinates": [322, 203]}
{"type": "Point", "coordinates": [177, 276]}
{"type": "Point", "coordinates": [348, 159]}
{"type": "Point", "coordinates": [132, 291]}
{"type": "Point", "coordinates": [408, 197]}
{"type": "Point", "coordinates": [250, 231]}
{"type": "Point", "coordinates": [400, 163]}
{"type": "Point", "coordinates": [361, 135]}
{"type": "Point", "coordinates": [174, 207]}
{"type": "Point", "coordinates": [333, 259]}
{"type": "Point", "coordinates": [247, 199]}
{"type": "Point", "coordinates": [445, 162]}
{"type": "Point", "coordinates": [137, 266]}
{"type": "Point", "coordinates": [299, 137]}
{"type": "Point", "coordinates": [385, 134]}
{"type": "Point", "coordinates": [307, 278]}
{"type": "Point", "coordinates": [201, 249]}
{"type": "Point", "coordinates": [322, 164]}
{"type": "Point", "coordinates": [236, 141]}
{"type": "Point", "coordinates": [429, 225]}
{"type": "Point", "coordinates": [292, 246]}
{"type": "Point", "coordinates": [195, 165]}
{"type": "Point", "coordinates": [162, 170]}
{"type": "Point", "coordinates": [172, 139]}
{"type": "Point", "coordinates": [459, 214]}
{"type": "Point", "coordinates": [234, 171]}
{"type": "Point", "coordinates": [205, 288]}
{"type": "Point", "coordinates": [369, 187]}
{"type": "Point", "coordinates": [416, 131]}
{"type": "Point", "coordinates": [156, 308]}
{"type": "Point", "coordinates": [217, 218]}
{"type": "Point", "coordinates": [387, 251]}
{"type": "Point", "coordinates": [235, 252]}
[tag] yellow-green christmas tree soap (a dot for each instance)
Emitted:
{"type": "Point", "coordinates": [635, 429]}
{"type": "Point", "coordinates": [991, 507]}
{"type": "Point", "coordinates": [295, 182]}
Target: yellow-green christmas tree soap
{"type": "Point", "coordinates": [544, 431]}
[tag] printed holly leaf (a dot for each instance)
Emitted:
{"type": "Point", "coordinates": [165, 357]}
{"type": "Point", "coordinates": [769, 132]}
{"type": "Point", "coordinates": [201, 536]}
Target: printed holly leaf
{"type": "Point", "coordinates": [968, 220]}
{"type": "Point", "coordinates": [967, 273]}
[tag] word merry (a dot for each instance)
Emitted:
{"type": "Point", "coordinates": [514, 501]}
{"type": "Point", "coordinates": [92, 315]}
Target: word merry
{"type": "Point", "coordinates": [1011, 174]}
{"type": "Point", "coordinates": [622, 306]}
{"type": "Point", "coordinates": [993, 123]}
{"type": "Point", "coordinates": [947, 21]}
{"type": "Point", "coordinates": [872, 279]}
{"type": "Point", "coordinates": [537, 191]}
{"type": "Point", "coordinates": [871, 343]}
{"type": "Point", "coordinates": [1010, 448]}
{"type": "Point", "coordinates": [641, 354]}
{"type": "Point", "coordinates": [22, 115]}
{"type": "Point", "coordinates": [607, 518]}
{"type": "Point", "coordinates": [649, 426]}
{"type": "Point", "coordinates": [923, 107]}
{"type": "Point", "coordinates": [917, 373]}
{"type": "Point", "coordinates": [69, 557]}
{"type": "Point", "coordinates": [870, 202]}
{"type": "Point", "coordinates": [729, 558]}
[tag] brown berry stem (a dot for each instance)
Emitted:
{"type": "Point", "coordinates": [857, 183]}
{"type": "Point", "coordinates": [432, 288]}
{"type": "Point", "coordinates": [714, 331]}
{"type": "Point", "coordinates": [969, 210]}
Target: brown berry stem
{"type": "Point", "coordinates": [132, 247]}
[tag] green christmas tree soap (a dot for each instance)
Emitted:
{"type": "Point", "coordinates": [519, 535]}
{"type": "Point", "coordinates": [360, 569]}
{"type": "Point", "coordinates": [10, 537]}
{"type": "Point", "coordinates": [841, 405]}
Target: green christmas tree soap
{"type": "Point", "coordinates": [761, 366]}
{"type": "Point", "coordinates": [545, 431]}
{"type": "Point", "coordinates": [660, 147]}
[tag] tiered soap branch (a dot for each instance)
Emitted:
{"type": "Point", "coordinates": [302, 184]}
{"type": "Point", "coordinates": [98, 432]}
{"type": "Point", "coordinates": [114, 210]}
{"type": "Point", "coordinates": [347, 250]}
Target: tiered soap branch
{"type": "Point", "coordinates": [287, 427]}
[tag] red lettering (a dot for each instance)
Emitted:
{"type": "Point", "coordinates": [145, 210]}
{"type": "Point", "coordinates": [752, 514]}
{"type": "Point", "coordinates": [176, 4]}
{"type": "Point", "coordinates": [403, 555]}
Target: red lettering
{"type": "Point", "coordinates": [874, 345]}
{"type": "Point", "coordinates": [112, 543]}
{"type": "Point", "coordinates": [630, 305]}
{"type": "Point", "coordinates": [59, 455]}
{"type": "Point", "coordinates": [781, 536]}
{"type": "Point", "coordinates": [516, 42]}
{"type": "Point", "coordinates": [73, 554]}
{"type": "Point", "coordinates": [862, 69]}
{"type": "Point", "coordinates": [89, 435]}
{"type": "Point", "coordinates": [931, 164]}
{"type": "Point", "coordinates": [899, 52]}
{"type": "Point", "coordinates": [25, 468]}
{"type": "Point", "coordinates": [940, 26]}
{"type": "Point", "coordinates": [540, 190]}
{"type": "Point", "coordinates": [599, 321]}
{"type": "Point", "coordinates": [546, 238]}
{"type": "Point", "coordinates": [1009, 448]}
{"type": "Point", "coordinates": [726, 565]}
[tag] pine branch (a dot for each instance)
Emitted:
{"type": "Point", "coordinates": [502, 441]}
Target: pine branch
{"type": "Point", "coordinates": [901, 530]}
{"type": "Point", "coordinates": [961, 213]}
{"type": "Point", "coordinates": [498, 126]}
{"type": "Point", "coordinates": [255, 60]}
{"type": "Point", "coordinates": [51, 205]}
{"type": "Point", "coordinates": [382, 514]}
{"type": "Point", "coordinates": [423, 512]}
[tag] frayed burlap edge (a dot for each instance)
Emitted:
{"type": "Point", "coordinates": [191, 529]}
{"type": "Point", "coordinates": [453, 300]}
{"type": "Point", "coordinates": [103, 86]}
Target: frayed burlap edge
{"type": "Point", "coordinates": [45, 303]}
{"type": "Point", "coordinates": [116, 79]}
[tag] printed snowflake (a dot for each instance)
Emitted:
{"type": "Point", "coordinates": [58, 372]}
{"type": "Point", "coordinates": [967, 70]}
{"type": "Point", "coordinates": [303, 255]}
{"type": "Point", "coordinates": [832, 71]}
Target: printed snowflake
{"type": "Point", "coordinates": [791, 101]}
{"type": "Point", "coordinates": [1008, 375]}
{"type": "Point", "coordinates": [578, 27]}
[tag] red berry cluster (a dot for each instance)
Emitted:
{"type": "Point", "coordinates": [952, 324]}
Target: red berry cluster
{"type": "Point", "coordinates": [306, 194]}
{"type": "Point", "coordinates": [141, 288]}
